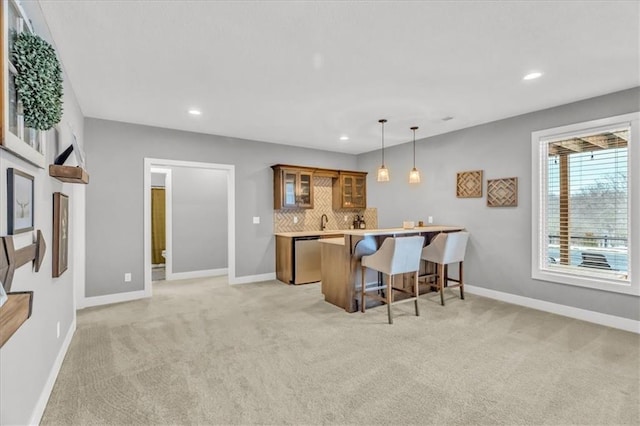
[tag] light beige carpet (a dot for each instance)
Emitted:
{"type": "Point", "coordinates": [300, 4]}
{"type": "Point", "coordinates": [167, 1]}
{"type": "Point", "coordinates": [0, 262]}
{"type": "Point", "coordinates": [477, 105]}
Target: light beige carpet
{"type": "Point", "coordinates": [201, 352]}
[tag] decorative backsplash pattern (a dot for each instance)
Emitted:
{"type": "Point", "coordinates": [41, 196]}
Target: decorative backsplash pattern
{"type": "Point", "coordinates": [309, 219]}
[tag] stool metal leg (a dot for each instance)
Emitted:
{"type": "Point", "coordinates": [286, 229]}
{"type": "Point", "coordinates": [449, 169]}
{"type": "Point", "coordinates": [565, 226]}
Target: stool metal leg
{"type": "Point", "coordinates": [390, 297]}
{"type": "Point", "coordinates": [461, 283]}
{"type": "Point", "coordinates": [442, 281]}
{"type": "Point", "coordinates": [362, 290]}
{"type": "Point", "coordinates": [415, 286]}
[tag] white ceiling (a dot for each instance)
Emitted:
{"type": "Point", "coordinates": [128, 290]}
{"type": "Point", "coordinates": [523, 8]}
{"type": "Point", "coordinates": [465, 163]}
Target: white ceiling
{"type": "Point", "coordinates": [305, 73]}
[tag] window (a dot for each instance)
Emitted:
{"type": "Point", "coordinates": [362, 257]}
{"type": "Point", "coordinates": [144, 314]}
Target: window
{"type": "Point", "coordinates": [23, 141]}
{"type": "Point", "coordinates": [585, 199]}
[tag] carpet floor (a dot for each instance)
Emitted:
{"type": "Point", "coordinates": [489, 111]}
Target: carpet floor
{"type": "Point", "coordinates": [202, 352]}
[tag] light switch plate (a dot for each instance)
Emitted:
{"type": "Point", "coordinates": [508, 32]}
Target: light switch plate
{"type": "Point", "coordinates": [256, 220]}
{"type": "Point", "coordinates": [127, 277]}
{"type": "Point", "coordinates": [295, 219]}
{"type": "Point", "coordinates": [430, 219]}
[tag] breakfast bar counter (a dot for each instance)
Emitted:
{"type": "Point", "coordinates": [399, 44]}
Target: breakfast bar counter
{"type": "Point", "coordinates": [340, 266]}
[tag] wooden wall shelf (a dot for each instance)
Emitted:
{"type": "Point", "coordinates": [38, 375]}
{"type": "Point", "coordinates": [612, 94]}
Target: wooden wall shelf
{"type": "Point", "coordinates": [69, 174]}
{"type": "Point", "coordinates": [15, 311]}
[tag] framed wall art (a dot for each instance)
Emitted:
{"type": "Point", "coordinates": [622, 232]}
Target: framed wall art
{"type": "Point", "coordinates": [502, 192]}
{"type": "Point", "coordinates": [60, 233]}
{"type": "Point", "coordinates": [469, 184]}
{"type": "Point", "coordinates": [19, 201]}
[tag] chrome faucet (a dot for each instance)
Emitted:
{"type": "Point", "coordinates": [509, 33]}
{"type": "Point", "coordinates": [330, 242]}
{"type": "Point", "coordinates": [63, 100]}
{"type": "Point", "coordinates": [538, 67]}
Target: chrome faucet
{"type": "Point", "coordinates": [323, 223]}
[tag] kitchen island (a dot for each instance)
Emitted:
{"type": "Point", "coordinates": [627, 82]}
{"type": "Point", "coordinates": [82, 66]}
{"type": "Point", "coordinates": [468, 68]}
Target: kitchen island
{"type": "Point", "coordinates": [340, 265]}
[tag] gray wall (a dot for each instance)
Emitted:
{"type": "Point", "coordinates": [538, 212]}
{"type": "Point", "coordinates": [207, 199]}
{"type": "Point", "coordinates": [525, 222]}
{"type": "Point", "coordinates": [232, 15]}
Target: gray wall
{"type": "Point", "coordinates": [28, 357]}
{"type": "Point", "coordinates": [499, 254]}
{"type": "Point", "coordinates": [199, 219]}
{"type": "Point", "coordinates": [115, 158]}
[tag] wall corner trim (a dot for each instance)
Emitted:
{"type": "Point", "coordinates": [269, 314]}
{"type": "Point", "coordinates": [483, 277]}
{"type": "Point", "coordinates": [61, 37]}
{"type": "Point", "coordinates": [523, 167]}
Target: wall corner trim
{"type": "Point", "coordinates": [38, 411]}
{"type": "Point", "coordinates": [108, 299]}
{"type": "Point", "coordinates": [613, 321]}
{"type": "Point", "coordinates": [248, 279]}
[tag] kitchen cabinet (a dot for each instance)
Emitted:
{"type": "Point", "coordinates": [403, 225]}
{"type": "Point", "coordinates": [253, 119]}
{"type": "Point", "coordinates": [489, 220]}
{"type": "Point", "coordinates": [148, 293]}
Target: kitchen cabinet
{"type": "Point", "coordinates": [350, 190]}
{"type": "Point", "coordinates": [292, 188]}
{"type": "Point", "coordinates": [298, 257]}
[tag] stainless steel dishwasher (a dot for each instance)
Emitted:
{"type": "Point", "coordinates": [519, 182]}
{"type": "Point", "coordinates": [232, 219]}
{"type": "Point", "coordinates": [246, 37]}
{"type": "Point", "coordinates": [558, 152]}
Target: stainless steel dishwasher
{"type": "Point", "coordinates": [306, 260]}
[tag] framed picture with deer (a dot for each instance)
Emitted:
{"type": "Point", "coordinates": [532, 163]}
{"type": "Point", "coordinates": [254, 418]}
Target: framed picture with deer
{"type": "Point", "coordinates": [60, 233]}
{"type": "Point", "coordinates": [19, 201]}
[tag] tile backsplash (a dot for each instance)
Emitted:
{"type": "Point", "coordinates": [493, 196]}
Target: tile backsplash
{"type": "Point", "coordinates": [309, 219]}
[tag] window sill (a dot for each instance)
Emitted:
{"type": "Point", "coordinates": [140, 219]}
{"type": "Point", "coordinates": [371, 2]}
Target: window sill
{"type": "Point", "coordinates": [602, 284]}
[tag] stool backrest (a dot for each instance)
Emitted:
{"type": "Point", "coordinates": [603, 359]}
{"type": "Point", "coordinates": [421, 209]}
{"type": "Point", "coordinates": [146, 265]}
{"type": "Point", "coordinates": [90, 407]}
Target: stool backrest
{"type": "Point", "coordinates": [400, 255]}
{"type": "Point", "coordinates": [366, 246]}
{"type": "Point", "coordinates": [447, 248]}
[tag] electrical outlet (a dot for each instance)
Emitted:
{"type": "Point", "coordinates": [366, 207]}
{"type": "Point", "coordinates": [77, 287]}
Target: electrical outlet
{"type": "Point", "coordinates": [256, 220]}
{"type": "Point", "coordinates": [127, 277]}
{"type": "Point", "coordinates": [58, 330]}
{"type": "Point", "coordinates": [346, 218]}
{"type": "Point", "coordinates": [295, 219]}
{"type": "Point", "coordinates": [430, 220]}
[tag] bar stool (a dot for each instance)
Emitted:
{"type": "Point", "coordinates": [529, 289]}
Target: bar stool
{"type": "Point", "coordinates": [395, 256]}
{"type": "Point", "coordinates": [444, 250]}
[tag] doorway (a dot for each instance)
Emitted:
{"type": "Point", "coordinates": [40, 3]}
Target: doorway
{"type": "Point", "coordinates": [161, 217]}
{"type": "Point", "coordinates": [154, 167]}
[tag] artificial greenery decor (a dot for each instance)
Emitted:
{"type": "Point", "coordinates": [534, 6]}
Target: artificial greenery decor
{"type": "Point", "coordinates": [38, 82]}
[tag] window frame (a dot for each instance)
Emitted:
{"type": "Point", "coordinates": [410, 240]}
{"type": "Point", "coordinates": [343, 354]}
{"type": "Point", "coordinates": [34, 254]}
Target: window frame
{"type": "Point", "coordinates": [10, 141]}
{"type": "Point", "coordinates": [538, 204]}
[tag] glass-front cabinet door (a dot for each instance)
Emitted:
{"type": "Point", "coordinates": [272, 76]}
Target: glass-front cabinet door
{"type": "Point", "coordinates": [290, 183]}
{"type": "Point", "coordinates": [359, 196]}
{"type": "Point", "coordinates": [353, 191]}
{"type": "Point", "coordinates": [305, 190]}
{"type": "Point", "coordinates": [293, 188]}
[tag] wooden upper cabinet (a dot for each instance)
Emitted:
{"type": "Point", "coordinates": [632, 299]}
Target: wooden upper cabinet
{"type": "Point", "coordinates": [292, 188]}
{"type": "Point", "coordinates": [350, 191]}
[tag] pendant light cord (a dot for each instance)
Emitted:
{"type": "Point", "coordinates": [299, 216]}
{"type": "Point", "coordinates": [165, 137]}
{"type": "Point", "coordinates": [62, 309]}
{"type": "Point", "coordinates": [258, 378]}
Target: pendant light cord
{"type": "Point", "coordinates": [382, 121]}
{"type": "Point", "coordinates": [414, 148]}
{"type": "Point", "coordinates": [414, 145]}
{"type": "Point", "coordinates": [382, 143]}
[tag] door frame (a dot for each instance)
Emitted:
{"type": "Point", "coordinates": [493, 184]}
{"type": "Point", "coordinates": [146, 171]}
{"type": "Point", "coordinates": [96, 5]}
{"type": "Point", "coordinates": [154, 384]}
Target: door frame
{"type": "Point", "coordinates": [168, 217]}
{"type": "Point", "coordinates": [155, 163]}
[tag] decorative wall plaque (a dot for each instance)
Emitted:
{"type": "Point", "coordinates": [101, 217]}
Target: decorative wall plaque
{"type": "Point", "coordinates": [502, 192]}
{"type": "Point", "coordinates": [469, 184]}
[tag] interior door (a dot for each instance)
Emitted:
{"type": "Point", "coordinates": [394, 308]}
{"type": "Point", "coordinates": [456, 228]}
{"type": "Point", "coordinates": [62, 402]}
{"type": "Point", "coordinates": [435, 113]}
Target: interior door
{"type": "Point", "coordinates": [158, 237]}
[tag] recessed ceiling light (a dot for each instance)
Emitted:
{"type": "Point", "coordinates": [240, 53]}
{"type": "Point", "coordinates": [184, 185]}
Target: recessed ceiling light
{"type": "Point", "coordinates": [532, 75]}
{"type": "Point", "coordinates": [195, 112]}
{"type": "Point", "coordinates": [344, 138]}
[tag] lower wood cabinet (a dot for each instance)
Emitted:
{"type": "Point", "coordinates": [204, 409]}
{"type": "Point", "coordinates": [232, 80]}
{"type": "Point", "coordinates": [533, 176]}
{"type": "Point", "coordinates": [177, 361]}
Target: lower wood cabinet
{"type": "Point", "coordinates": [298, 258]}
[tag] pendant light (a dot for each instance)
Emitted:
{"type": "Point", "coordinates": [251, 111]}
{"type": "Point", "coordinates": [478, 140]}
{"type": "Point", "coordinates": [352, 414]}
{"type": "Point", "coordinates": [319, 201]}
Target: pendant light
{"type": "Point", "coordinates": [383, 172]}
{"type": "Point", "coordinates": [414, 175]}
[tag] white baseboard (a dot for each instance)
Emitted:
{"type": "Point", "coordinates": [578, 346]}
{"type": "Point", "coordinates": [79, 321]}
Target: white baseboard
{"type": "Point", "coordinates": [197, 274]}
{"type": "Point", "coordinates": [108, 299]}
{"type": "Point", "coordinates": [252, 278]}
{"type": "Point", "coordinates": [38, 411]}
{"type": "Point", "coordinates": [555, 308]}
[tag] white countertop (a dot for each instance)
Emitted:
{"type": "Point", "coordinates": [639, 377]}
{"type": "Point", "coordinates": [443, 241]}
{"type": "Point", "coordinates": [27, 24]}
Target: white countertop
{"type": "Point", "coordinates": [364, 232]}
{"type": "Point", "coordinates": [400, 231]}
{"type": "Point", "coordinates": [312, 233]}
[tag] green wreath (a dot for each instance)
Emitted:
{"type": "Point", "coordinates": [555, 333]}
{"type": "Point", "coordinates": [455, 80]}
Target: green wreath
{"type": "Point", "coordinates": [38, 82]}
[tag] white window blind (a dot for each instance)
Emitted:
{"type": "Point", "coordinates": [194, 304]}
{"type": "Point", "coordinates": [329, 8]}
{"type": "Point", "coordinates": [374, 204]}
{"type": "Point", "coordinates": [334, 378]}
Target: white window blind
{"type": "Point", "coordinates": [584, 199]}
